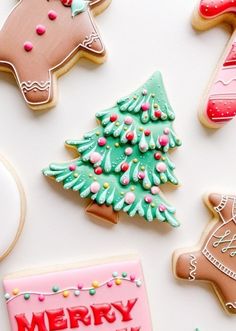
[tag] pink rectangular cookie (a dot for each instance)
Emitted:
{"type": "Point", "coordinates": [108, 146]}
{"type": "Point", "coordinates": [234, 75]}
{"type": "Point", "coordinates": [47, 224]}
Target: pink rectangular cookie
{"type": "Point", "coordinates": [102, 297]}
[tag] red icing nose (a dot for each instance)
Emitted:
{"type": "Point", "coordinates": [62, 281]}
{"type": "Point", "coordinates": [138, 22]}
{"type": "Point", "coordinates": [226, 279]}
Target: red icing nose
{"type": "Point", "coordinates": [213, 8]}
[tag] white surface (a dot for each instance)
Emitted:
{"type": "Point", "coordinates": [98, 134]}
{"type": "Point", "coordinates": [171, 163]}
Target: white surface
{"type": "Point", "coordinates": [10, 210]}
{"type": "Point", "coordinates": [140, 39]}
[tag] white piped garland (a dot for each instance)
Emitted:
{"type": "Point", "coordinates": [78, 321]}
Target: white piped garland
{"type": "Point", "coordinates": [116, 279]}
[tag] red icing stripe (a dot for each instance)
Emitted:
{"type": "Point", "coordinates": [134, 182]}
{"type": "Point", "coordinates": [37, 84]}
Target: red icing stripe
{"type": "Point", "coordinates": [231, 59]}
{"type": "Point", "coordinates": [221, 111]}
{"type": "Point", "coordinates": [212, 8]}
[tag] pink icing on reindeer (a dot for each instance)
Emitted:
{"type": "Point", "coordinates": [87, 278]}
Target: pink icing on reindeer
{"type": "Point", "coordinates": [41, 39]}
{"type": "Point", "coordinates": [220, 104]}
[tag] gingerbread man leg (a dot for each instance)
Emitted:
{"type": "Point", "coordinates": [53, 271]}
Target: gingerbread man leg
{"type": "Point", "coordinates": [37, 86]}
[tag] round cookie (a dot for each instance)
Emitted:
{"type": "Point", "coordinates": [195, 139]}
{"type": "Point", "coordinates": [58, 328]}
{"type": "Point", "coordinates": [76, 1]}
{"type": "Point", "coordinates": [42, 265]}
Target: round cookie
{"type": "Point", "coordinates": [12, 208]}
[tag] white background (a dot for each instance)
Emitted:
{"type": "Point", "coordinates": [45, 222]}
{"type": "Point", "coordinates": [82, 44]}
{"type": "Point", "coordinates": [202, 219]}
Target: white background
{"type": "Point", "coordinates": [141, 36]}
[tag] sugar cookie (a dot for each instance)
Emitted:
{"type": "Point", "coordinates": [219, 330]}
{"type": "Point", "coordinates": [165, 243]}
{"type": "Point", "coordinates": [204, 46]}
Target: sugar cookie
{"type": "Point", "coordinates": [219, 104]}
{"type": "Point", "coordinates": [12, 208]}
{"type": "Point", "coordinates": [108, 297]}
{"type": "Point", "coordinates": [42, 39]}
{"type": "Point", "coordinates": [124, 162]}
{"type": "Point", "coordinates": [213, 260]}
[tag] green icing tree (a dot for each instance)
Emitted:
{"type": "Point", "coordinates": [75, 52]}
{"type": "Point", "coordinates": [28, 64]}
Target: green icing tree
{"type": "Point", "coordinates": [123, 162]}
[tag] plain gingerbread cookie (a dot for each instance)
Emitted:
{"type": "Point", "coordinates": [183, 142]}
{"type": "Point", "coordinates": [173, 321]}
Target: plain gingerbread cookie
{"type": "Point", "coordinates": [42, 39]}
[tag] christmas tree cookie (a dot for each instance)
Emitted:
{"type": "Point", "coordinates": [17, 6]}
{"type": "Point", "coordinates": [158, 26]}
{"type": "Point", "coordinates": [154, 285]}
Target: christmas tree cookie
{"type": "Point", "coordinates": [123, 163]}
{"type": "Point", "coordinates": [213, 260]}
{"type": "Point", "coordinates": [43, 39]}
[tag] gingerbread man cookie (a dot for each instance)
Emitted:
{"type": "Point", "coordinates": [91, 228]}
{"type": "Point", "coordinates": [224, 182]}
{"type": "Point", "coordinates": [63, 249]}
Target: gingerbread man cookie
{"type": "Point", "coordinates": [12, 208]}
{"type": "Point", "coordinates": [107, 297]}
{"type": "Point", "coordinates": [42, 39]}
{"type": "Point", "coordinates": [219, 105]}
{"type": "Point", "coordinates": [214, 260]}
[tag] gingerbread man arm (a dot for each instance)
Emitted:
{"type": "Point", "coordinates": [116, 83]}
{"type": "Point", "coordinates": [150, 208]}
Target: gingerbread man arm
{"type": "Point", "coordinates": [213, 260]}
{"type": "Point", "coordinates": [219, 106]}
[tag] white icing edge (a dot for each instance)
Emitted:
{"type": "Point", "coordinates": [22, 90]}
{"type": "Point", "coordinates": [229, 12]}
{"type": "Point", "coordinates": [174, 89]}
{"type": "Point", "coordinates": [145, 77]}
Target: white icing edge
{"type": "Point", "coordinates": [12, 208]}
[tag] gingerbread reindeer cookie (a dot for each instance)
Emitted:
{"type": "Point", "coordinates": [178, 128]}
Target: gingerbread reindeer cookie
{"type": "Point", "coordinates": [214, 260]}
{"type": "Point", "coordinates": [42, 39]}
{"type": "Point", "coordinates": [219, 105]}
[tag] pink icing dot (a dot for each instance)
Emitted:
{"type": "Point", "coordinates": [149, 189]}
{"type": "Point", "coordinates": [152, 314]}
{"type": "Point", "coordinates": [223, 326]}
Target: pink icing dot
{"type": "Point", "coordinates": [72, 167]}
{"type": "Point", "coordinates": [145, 106]}
{"type": "Point", "coordinates": [162, 208]}
{"type": "Point", "coordinates": [132, 278]}
{"type": "Point", "coordinates": [125, 181]}
{"type": "Point", "coordinates": [40, 29]}
{"type": "Point", "coordinates": [148, 198]}
{"type": "Point", "coordinates": [95, 187]}
{"type": "Point", "coordinates": [80, 286]}
{"type": "Point", "coordinates": [143, 147]}
{"type": "Point", "coordinates": [147, 132]}
{"type": "Point", "coordinates": [163, 140]}
{"type": "Point", "coordinates": [166, 131]}
{"type": "Point", "coordinates": [28, 46]}
{"type": "Point", "coordinates": [141, 175]}
{"type": "Point", "coordinates": [52, 15]}
{"type": "Point", "coordinates": [110, 284]}
{"type": "Point", "coordinates": [102, 141]}
{"type": "Point", "coordinates": [41, 297]}
{"type": "Point", "coordinates": [161, 167]}
{"type": "Point", "coordinates": [129, 198]}
{"type": "Point", "coordinates": [128, 151]}
{"type": "Point", "coordinates": [128, 120]}
{"type": "Point", "coordinates": [155, 190]}
{"type": "Point", "coordinates": [95, 157]}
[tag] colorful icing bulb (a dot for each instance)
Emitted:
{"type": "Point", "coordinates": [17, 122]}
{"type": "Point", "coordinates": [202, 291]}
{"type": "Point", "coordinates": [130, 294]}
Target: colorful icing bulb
{"type": "Point", "coordinates": [36, 63]}
{"type": "Point", "coordinates": [107, 304]}
{"type": "Point", "coordinates": [213, 260]}
{"type": "Point", "coordinates": [219, 106]}
{"type": "Point", "coordinates": [123, 163]}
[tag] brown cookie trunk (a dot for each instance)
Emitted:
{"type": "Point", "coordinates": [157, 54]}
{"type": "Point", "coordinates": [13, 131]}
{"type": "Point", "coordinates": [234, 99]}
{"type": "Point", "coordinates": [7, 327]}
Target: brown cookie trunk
{"type": "Point", "coordinates": [103, 212]}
